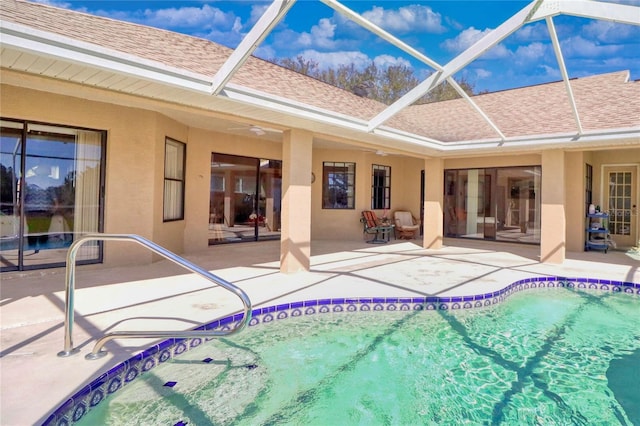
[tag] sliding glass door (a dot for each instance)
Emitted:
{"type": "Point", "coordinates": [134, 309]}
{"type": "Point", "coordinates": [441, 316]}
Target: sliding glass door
{"type": "Point", "coordinates": [501, 204]}
{"type": "Point", "coordinates": [245, 199]}
{"type": "Point", "coordinates": [51, 186]}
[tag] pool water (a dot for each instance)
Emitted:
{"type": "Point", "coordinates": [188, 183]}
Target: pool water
{"type": "Point", "coordinates": [554, 356]}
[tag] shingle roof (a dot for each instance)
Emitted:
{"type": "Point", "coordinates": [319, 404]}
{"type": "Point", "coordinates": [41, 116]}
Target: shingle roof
{"type": "Point", "coordinates": [607, 101]}
{"type": "Point", "coordinates": [188, 53]}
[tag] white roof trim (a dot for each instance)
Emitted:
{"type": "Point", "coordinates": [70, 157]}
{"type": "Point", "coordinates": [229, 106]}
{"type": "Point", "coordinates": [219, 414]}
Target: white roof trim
{"type": "Point", "coordinates": [287, 106]}
{"type": "Point", "coordinates": [610, 135]}
{"type": "Point", "coordinates": [269, 19]}
{"type": "Point", "coordinates": [44, 43]}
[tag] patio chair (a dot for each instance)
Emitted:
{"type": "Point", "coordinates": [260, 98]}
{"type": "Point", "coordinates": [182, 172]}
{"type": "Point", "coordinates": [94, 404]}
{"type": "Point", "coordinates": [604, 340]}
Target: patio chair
{"type": "Point", "coordinates": [373, 226]}
{"type": "Point", "coordinates": [407, 226]}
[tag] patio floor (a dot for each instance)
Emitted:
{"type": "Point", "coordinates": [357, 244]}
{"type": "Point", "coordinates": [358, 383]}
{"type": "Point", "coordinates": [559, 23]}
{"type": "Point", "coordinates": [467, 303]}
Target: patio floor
{"type": "Point", "coordinates": [34, 380]}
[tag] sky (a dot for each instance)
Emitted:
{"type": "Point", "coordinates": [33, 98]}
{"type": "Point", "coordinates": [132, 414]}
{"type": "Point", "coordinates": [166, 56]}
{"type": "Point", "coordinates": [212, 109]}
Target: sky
{"type": "Point", "coordinates": [439, 29]}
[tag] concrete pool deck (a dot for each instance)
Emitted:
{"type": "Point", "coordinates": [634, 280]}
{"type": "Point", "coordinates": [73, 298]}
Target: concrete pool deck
{"type": "Point", "coordinates": [162, 296]}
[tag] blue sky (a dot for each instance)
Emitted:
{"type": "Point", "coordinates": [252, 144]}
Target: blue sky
{"type": "Point", "coordinates": [439, 29]}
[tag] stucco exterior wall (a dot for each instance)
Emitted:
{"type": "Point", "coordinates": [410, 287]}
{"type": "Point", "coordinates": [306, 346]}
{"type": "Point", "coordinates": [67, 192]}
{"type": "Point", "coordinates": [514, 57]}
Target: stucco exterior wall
{"type": "Point", "coordinates": [617, 157]}
{"type": "Point", "coordinates": [575, 174]}
{"type": "Point", "coordinates": [167, 234]}
{"type": "Point", "coordinates": [494, 161]}
{"type": "Point", "coordinates": [345, 223]}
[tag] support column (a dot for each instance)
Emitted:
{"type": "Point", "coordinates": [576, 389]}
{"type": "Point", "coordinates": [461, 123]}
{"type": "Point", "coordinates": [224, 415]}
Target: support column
{"type": "Point", "coordinates": [295, 240]}
{"type": "Point", "coordinates": [553, 218]}
{"type": "Point", "coordinates": [433, 203]}
{"type": "Point", "coordinates": [575, 205]}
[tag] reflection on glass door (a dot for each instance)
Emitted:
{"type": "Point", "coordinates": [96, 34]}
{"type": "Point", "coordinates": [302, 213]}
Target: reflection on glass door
{"type": "Point", "coordinates": [519, 204]}
{"type": "Point", "coordinates": [245, 199]}
{"type": "Point", "coordinates": [469, 204]}
{"type": "Point", "coordinates": [51, 180]}
{"type": "Point", "coordinates": [496, 204]}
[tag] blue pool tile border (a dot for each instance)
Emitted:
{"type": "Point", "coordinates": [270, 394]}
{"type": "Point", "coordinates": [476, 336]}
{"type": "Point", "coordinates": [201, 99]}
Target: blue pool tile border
{"type": "Point", "coordinates": [73, 409]}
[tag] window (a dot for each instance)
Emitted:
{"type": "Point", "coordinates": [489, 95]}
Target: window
{"type": "Point", "coordinates": [380, 187]}
{"type": "Point", "coordinates": [338, 185]}
{"type": "Point", "coordinates": [174, 157]}
{"type": "Point", "coordinates": [620, 190]}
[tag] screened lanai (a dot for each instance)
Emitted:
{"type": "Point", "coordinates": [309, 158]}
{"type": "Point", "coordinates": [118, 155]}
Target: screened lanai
{"type": "Point", "coordinates": [507, 152]}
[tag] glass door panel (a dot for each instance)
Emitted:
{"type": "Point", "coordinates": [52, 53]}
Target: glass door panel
{"type": "Point", "coordinates": [49, 198]}
{"type": "Point", "coordinates": [494, 204]}
{"type": "Point", "coordinates": [518, 204]}
{"type": "Point", "coordinates": [620, 195]}
{"type": "Point", "coordinates": [52, 193]}
{"type": "Point", "coordinates": [10, 161]}
{"type": "Point", "coordinates": [468, 204]}
{"type": "Point", "coordinates": [244, 199]}
{"type": "Point", "coordinates": [269, 201]}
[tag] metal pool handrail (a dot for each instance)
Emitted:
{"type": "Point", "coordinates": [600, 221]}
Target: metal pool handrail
{"type": "Point", "coordinates": [96, 353]}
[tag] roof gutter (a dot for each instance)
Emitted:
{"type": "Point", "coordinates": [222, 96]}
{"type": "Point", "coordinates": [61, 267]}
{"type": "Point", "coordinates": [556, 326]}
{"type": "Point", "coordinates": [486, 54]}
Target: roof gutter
{"type": "Point", "coordinates": [55, 46]}
{"type": "Point", "coordinates": [567, 140]}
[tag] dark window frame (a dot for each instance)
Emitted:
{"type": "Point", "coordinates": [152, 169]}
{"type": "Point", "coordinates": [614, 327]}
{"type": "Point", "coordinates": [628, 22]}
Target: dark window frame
{"type": "Point", "coordinates": [380, 187]}
{"type": "Point", "coordinates": [338, 185]}
{"type": "Point", "coordinates": [588, 187]}
{"type": "Point", "coordinates": [170, 179]}
{"type": "Point", "coordinates": [24, 127]}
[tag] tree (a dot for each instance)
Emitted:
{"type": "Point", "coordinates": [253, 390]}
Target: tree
{"type": "Point", "coordinates": [301, 65]}
{"type": "Point", "coordinates": [444, 92]}
{"type": "Point", "coordinates": [396, 81]}
{"type": "Point", "coordinates": [385, 85]}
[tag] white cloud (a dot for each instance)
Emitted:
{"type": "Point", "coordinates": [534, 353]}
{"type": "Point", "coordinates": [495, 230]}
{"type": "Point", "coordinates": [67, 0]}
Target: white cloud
{"type": "Point", "coordinates": [321, 37]}
{"type": "Point", "coordinates": [482, 73]}
{"type": "Point", "coordinates": [265, 52]}
{"type": "Point", "coordinates": [610, 32]}
{"type": "Point", "coordinates": [530, 53]}
{"type": "Point", "coordinates": [468, 37]}
{"type": "Point", "coordinates": [384, 61]}
{"type": "Point", "coordinates": [199, 18]}
{"type": "Point", "coordinates": [323, 34]}
{"type": "Point", "coordinates": [360, 60]}
{"type": "Point", "coordinates": [237, 26]}
{"type": "Point", "coordinates": [412, 18]}
{"type": "Point", "coordinates": [553, 73]}
{"type": "Point", "coordinates": [532, 32]}
{"type": "Point", "coordinates": [465, 39]}
{"type": "Point", "coordinates": [54, 3]}
{"type": "Point", "coordinates": [327, 60]}
{"type": "Point", "coordinates": [580, 47]}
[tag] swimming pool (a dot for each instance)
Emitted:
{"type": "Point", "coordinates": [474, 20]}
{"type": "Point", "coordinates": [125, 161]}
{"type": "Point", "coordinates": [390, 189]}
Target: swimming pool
{"type": "Point", "coordinates": [553, 356]}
